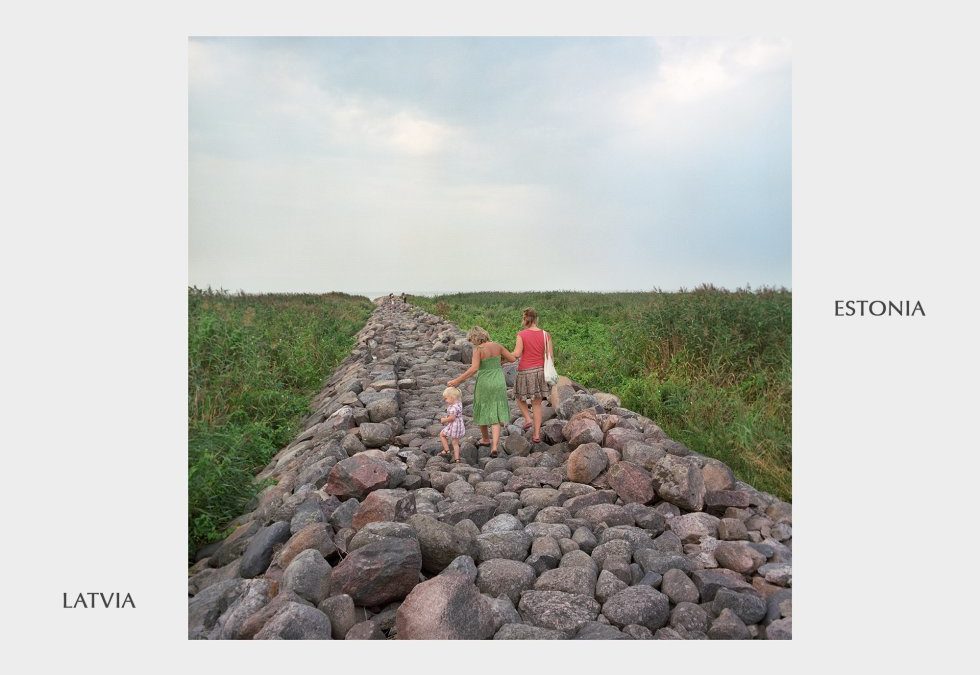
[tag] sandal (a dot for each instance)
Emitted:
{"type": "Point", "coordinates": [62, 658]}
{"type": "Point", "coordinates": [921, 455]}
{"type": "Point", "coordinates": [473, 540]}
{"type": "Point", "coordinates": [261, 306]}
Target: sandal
{"type": "Point", "coordinates": [444, 453]}
{"type": "Point", "coordinates": [527, 425]}
{"type": "Point", "coordinates": [494, 453]}
{"type": "Point", "coordinates": [535, 439]}
{"type": "Point", "coordinates": [481, 443]}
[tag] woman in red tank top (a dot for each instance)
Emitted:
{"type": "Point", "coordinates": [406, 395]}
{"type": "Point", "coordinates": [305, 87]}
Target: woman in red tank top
{"type": "Point", "coordinates": [532, 343]}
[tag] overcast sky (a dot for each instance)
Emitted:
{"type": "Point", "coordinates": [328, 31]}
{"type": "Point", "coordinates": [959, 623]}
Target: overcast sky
{"type": "Point", "coordinates": [424, 165]}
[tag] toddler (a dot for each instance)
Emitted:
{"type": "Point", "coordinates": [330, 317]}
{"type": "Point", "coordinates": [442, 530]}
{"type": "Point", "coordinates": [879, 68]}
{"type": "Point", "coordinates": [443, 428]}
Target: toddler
{"type": "Point", "coordinates": [453, 420]}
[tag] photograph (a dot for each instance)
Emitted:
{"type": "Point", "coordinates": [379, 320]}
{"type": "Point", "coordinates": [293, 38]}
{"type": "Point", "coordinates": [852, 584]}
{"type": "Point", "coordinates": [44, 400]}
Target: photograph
{"type": "Point", "coordinates": [489, 338]}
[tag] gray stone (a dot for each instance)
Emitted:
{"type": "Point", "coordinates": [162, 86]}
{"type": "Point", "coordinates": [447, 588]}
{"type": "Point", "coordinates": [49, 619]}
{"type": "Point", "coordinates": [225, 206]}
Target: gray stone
{"type": "Point", "coordinates": [504, 577]}
{"type": "Point", "coordinates": [522, 631]}
{"type": "Point", "coordinates": [678, 587]}
{"type": "Point", "coordinates": [446, 607]}
{"type": "Point", "coordinates": [205, 607]}
{"type": "Point", "coordinates": [340, 610]}
{"type": "Point", "coordinates": [585, 539]}
{"type": "Point", "coordinates": [581, 580]}
{"type": "Point", "coordinates": [587, 461]}
{"type": "Point", "coordinates": [738, 556]}
{"type": "Point", "coordinates": [379, 531]}
{"type": "Point", "coordinates": [258, 554]}
{"type": "Point", "coordinates": [463, 566]}
{"type": "Point", "coordinates": [678, 480]}
{"type": "Point", "coordinates": [308, 576]}
{"type": "Point", "coordinates": [440, 543]}
{"type": "Point", "coordinates": [379, 572]}
{"type": "Point", "coordinates": [379, 411]}
{"type": "Point", "coordinates": [365, 630]}
{"type": "Point", "coordinates": [594, 630]}
{"type": "Point", "coordinates": [748, 607]}
{"type": "Point", "coordinates": [709, 581]}
{"type": "Point", "coordinates": [343, 515]}
{"type": "Point", "coordinates": [296, 622]}
{"type": "Point", "coordinates": [608, 585]}
{"type": "Point", "coordinates": [689, 617]}
{"type": "Point", "coordinates": [375, 435]}
{"type": "Point", "coordinates": [505, 522]}
{"type": "Point", "coordinates": [780, 629]}
{"type": "Point", "coordinates": [557, 610]}
{"type": "Point", "coordinates": [728, 627]}
{"type": "Point", "coordinates": [641, 605]}
{"type": "Point", "coordinates": [655, 560]}
{"type": "Point", "coordinates": [255, 596]}
{"type": "Point", "coordinates": [509, 545]}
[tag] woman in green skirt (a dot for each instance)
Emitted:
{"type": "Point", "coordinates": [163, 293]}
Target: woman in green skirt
{"type": "Point", "coordinates": [490, 395]}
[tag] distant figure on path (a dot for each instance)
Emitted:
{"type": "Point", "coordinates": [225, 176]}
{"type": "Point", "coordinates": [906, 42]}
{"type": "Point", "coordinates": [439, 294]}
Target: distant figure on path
{"type": "Point", "coordinates": [532, 344]}
{"type": "Point", "coordinates": [490, 395]}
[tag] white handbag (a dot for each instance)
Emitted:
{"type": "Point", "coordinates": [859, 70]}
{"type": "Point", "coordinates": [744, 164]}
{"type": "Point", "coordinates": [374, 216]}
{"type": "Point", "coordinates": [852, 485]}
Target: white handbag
{"type": "Point", "coordinates": [550, 374]}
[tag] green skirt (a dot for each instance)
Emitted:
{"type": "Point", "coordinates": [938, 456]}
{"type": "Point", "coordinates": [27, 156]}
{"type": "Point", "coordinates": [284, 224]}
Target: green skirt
{"type": "Point", "coordinates": [490, 394]}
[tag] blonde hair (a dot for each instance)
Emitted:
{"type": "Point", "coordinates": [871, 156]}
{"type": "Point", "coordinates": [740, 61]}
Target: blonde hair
{"type": "Point", "coordinates": [530, 317]}
{"type": "Point", "coordinates": [453, 393]}
{"type": "Point", "coordinates": [478, 336]}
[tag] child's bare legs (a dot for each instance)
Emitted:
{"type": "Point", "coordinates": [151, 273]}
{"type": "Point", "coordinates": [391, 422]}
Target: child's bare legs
{"type": "Point", "coordinates": [445, 445]}
{"type": "Point", "coordinates": [456, 449]}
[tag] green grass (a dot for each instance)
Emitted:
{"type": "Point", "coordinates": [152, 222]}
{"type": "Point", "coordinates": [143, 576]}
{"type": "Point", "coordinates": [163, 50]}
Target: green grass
{"type": "Point", "coordinates": [255, 361]}
{"type": "Point", "coordinates": [710, 366]}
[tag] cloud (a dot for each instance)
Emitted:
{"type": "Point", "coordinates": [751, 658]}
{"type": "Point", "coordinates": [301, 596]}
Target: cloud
{"type": "Point", "coordinates": [692, 71]}
{"type": "Point", "coordinates": [463, 164]}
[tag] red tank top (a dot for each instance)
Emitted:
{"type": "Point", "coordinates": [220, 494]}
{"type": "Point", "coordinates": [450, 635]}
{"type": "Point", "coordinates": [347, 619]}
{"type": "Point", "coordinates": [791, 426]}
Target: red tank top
{"type": "Point", "coordinates": [533, 356]}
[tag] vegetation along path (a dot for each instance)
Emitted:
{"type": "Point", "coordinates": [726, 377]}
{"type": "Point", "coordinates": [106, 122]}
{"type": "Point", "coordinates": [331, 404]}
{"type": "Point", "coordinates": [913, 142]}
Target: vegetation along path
{"type": "Point", "coordinates": [606, 529]}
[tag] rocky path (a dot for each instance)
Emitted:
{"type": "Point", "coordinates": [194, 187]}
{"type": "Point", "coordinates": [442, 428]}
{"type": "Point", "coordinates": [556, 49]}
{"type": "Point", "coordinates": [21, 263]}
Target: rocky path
{"type": "Point", "coordinates": [607, 529]}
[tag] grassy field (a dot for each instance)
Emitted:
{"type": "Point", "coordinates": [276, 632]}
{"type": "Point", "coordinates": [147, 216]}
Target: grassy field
{"type": "Point", "coordinates": [710, 366]}
{"type": "Point", "coordinates": [255, 361]}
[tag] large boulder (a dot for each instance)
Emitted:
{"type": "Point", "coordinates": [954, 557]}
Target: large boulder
{"type": "Point", "coordinates": [317, 536]}
{"type": "Point", "coordinates": [446, 607]}
{"type": "Point", "coordinates": [586, 462]}
{"type": "Point", "coordinates": [375, 434]}
{"type": "Point", "coordinates": [580, 431]}
{"type": "Point", "coordinates": [357, 476]}
{"type": "Point", "coordinates": [512, 545]}
{"type": "Point", "coordinates": [574, 579]}
{"type": "Point", "coordinates": [678, 480]}
{"type": "Point", "coordinates": [255, 596]}
{"type": "Point", "coordinates": [308, 576]}
{"type": "Point", "coordinates": [738, 556]}
{"type": "Point", "coordinates": [630, 482]}
{"type": "Point", "coordinates": [557, 610]}
{"type": "Point", "coordinates": [378, 411]}
{"type": "Point", "coordinates": [379, 573]}
{"type": "Point", "coordinates": [258, 554]}
{"type": "Point", "coordinates": [499, 576]}
{"type": "Point", "coordinates": [643, 605]}
{"type": "Point", "coordinates": [373, 532]}
{"type": "Point", "coordinates": [205, 607]}
{"type": "Point", "coordinates": [440, 543]}
{"type": "Point", "coordinates": [384, 506]}
{"type": "Point", "coordinates": [577, 402]}
{"type": "Point", "coordinates": [296, 622]}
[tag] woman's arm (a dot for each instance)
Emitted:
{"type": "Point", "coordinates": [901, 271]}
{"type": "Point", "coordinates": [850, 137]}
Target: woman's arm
{"type": "Point", "coordinates": [551, 347]}
{"type": "Point", "coordinates": [518, 347]}
{"type": "Point", "coordinates": [508, 357]}
{"type": "Point", "coordinates": [474, 366]}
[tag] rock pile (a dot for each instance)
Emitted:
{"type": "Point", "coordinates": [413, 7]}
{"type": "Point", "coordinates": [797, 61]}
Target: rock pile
{"type": "Point", "coordinates": [606, 529]}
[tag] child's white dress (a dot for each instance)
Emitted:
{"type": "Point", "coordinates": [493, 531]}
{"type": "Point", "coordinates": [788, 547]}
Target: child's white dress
{"type": "Point", "coordinates": [455, 428]}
